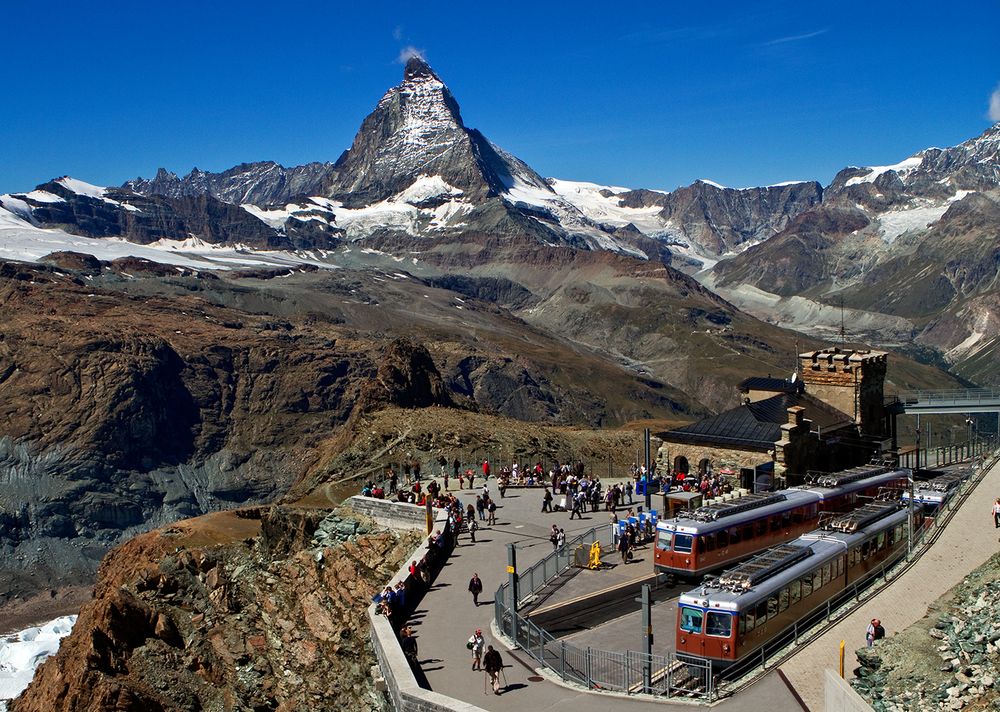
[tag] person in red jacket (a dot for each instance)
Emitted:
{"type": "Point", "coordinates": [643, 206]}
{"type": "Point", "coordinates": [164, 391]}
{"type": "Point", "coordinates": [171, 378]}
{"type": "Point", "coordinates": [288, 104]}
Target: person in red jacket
{"type": "Point", "coordinates": [486, 469]}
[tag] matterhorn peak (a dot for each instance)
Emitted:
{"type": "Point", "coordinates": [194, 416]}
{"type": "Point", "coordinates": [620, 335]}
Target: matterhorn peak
{"type": "Point", "coordinates": [416, 132]}
{"type": "Point", "coordinates": [418, 68]}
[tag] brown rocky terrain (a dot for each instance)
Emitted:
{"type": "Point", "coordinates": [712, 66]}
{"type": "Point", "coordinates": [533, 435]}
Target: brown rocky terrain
{"type": "Point", "coordinates": [235, 610]}
{"type": "Point", "coordinates": [132, 398]}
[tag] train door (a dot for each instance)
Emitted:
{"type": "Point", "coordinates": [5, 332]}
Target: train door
{"type": "Point", "coordinates": [718, 639]}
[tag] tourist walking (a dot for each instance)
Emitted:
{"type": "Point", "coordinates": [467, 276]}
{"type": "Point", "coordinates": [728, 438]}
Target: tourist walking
{"type": "Point", "coordinates": [996, 514]}
{"type": "Point", "coordinates": [554, 537]}
{"type": "Point", "coordinates": [561, 539]}
{"type": "Point", "coordinates": [491, 510]}
{"type": "Point", "coordinates": [476, 644]}
{"type": "Point", "coordinates": [481, 507]}
{"type": "Point", "coordinates": [475, 588]}
{"type": "Point", "coordinates": [623, 548]}
{"type": "Point", "coordinates": [547, 500]}
{"type": "Point", "coordinates": [493, 665]}
{"type": "Point", "coordinates": [473, 528]}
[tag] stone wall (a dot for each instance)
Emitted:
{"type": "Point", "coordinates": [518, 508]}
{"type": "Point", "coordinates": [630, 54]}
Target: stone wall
{"type": "Point", "coordinates": [401, 686]}
{"type": "Point", "coordinates": [718, 456]}
{"type": "Point", "coordinates": [851, 381]}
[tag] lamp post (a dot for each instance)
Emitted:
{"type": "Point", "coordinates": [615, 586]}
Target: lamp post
{"type": "Point", "coordinates": [909, 516]}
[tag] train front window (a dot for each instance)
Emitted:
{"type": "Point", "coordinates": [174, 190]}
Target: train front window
{"type": "Point", "coordinates": [663, 541]}
{"type": "Point", "coordinates": [691, 619]}
{"type": "Point", "coordinates": [682, 543]}
{"type": "Point", "coordinates": [719, 624]}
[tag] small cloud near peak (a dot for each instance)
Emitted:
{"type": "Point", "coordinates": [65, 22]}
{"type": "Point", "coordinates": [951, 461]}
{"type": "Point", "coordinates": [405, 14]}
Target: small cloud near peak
{"type": "Point", "coordinates": [994, 113]}
{"type": "Point", "coordinates": [409, 52]}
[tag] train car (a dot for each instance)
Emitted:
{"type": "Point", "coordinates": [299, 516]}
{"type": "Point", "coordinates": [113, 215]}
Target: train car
{"type": "Point", "coordinates": [934, 493]}
{"type": "Point", "coordinates": [719, 535]}
{"type": "Point", "coordinates": [747, 607]}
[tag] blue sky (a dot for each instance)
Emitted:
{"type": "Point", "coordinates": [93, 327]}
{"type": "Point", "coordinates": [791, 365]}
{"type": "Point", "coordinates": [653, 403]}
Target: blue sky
{"type": "Point", "coordinates": [619, 93]}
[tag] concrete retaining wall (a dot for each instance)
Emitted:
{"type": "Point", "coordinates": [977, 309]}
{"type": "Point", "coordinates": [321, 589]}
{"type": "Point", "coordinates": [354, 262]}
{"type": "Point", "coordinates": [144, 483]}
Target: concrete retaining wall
{"type": "Point", "coordinates": [841, 697]}
{"type": "Point", "coordinates": [401, 685]}
{"type": "Point", "coordinates": [392, 514]}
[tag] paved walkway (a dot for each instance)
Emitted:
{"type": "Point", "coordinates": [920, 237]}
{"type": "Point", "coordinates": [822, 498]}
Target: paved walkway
{"type": "Point", "coordinates": [447, 617]}
{"type": "Point", "coordinates": [966, 543]}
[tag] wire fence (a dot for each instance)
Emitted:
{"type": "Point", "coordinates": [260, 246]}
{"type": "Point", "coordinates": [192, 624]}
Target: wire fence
{"type": "Point", "coordinates": [626, 671]}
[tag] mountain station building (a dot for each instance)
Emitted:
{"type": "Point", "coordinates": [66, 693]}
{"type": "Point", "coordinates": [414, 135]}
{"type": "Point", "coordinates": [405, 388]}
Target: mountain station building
{"type": "Point", "coordinates": [829, 416]}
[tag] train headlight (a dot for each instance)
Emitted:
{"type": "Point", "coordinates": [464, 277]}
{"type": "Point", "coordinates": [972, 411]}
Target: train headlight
{"type": "Point", "coordinates": [687, 561]}
{"type": "Point", "coordinates": [725, 648]}
{"type": "Point", "coordinates": [683, 640]}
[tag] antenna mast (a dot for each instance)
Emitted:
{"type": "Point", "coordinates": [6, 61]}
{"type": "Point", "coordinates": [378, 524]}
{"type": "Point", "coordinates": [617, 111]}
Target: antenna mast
{"type": "Point", "coordinates": [843, 331]}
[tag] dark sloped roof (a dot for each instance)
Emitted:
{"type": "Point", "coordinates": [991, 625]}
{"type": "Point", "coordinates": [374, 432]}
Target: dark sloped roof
{"type": "Point", "coordinates": [762, 383]}
{"type": "Point", "coordinates": [757, 425]}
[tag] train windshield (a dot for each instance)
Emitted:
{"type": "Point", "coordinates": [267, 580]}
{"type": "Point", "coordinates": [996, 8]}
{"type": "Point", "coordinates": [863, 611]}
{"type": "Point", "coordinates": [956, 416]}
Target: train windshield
{"type": "Point", "coordinates": [720, 624]}
{"type": "Point", "coordinates": [682, 543]}
{"type": "Point", "coordinates": [691, 619]}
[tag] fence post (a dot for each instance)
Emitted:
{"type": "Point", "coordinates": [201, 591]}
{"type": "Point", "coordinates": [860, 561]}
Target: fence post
{"type": "Point", "coordinates": [562, 659]}
{"type": "Point", "coordinates": [589, 673]}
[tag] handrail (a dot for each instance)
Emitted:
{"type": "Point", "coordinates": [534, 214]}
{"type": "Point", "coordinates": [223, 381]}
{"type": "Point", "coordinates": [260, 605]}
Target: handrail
{"type": "Point", "coordinates": [970, 395]}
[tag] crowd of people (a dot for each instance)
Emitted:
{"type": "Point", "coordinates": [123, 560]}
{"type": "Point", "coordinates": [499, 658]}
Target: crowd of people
{"type": "Point", "coordinates": [566, 488]}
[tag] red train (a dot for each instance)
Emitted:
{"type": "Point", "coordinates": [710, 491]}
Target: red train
{"type": "Point", "coordinates": [757, 603]}
{"type": "Point", "coordinates": [719, 535]}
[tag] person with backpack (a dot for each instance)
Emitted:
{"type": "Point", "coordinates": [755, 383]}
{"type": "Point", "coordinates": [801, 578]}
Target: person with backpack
{"type": "Point", "coordinates": [554, 537]}
{"type": "Point", "coordinates": [476, 644]}
{"type": "Point", "coordinates": [473, 526]}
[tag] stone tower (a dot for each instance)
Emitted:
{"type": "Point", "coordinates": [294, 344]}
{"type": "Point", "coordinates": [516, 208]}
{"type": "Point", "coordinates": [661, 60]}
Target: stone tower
{"type": "Point", "coordinates": [852, 381]}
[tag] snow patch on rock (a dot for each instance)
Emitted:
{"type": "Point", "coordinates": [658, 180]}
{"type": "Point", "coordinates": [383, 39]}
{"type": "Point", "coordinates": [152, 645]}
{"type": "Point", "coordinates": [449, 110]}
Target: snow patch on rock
{"type": "Point", "coordinates": [22, 653]}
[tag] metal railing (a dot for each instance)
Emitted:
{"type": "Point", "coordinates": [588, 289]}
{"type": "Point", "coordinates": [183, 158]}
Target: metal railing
{"type": "Point", "coordinates": [596, 669]}
{"type": "Point", "coordinates": [818, 621]}
{"type": "Point", "coordinates": [542, 573]}
{"type": "Point", "coordinates": [972, 396]}
{"type": "Point", "coordinates": [609, 670]}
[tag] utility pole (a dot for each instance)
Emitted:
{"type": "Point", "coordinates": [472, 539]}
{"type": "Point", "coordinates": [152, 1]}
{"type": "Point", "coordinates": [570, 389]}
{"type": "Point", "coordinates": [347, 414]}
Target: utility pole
{"type": "Point", "coordinates": [909, 515]}
{"type": "Point", "coordinates": [647, 640]}
{"type": "Point", "coordinates": [512, 587]}
{"type": "Point", "coordinates": [649, 497]}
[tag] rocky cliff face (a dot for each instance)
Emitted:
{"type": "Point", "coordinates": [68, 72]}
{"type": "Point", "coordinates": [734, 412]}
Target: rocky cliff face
{"type": "Point", "coordinates": [265, 183]}
{"type": "Point", "coordinates": [92, 211]}
{"type": "Point", "coordinates": [720, 220]}
{"type": "Point", "coordinates": [239, 610]}
{"type": "Point", "coordinates": [122, 413]}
